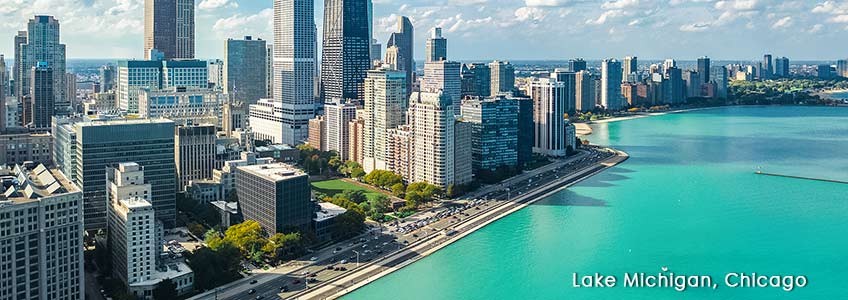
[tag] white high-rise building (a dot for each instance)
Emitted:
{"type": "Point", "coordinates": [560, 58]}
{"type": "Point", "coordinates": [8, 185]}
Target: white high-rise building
{"type": "Point", "coordinates": [41, 236]}
{"type": "Point", "coordinates": [267, 120]}
{"type": "Point", "coordinates": [549, 106]}
{"type": "Point", "coordinates": [294, 66]}
{"type": "Point", "coordinates": [337, 117]}
{"type": "Point", "coordinates": [385, 100]}
{"type": "Point", "coordinates": [431, 115]}
{"type": "Point", "coordinates": [445, 76]}
{"type": "Point", "coordinates": [611, 98]}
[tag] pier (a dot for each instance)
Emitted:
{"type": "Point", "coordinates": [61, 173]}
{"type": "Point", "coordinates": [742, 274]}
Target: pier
{"type": "Point", "coordinates": [801, 177]}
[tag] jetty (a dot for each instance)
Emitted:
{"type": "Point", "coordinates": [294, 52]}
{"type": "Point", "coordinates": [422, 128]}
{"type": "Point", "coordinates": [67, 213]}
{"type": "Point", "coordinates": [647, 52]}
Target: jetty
{"type": "Point", "coordinates": [800, 177]}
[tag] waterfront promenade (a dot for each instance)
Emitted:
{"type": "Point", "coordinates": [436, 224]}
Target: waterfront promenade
{"type": "Point", "coordinates": [443, 237]}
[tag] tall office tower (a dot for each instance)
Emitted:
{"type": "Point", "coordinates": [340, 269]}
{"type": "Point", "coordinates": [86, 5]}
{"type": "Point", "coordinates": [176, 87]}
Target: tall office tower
{"type": "Point", "coordinates": [85, 147]}
{"type": "Point", "coordinates": [549, 98]}
{"type": "Point", "coordinates": [630, 66]}
{"type": "Point", "coordinates": [824, 71]}
{"type": "Point", "coordinates": [169, 28]}
{"type": "Point", "coordinates": [42, 237]}
{"type": "Point", "coordinates": [611, 98]}
{"type": "Point", "coordinates": [693, 83]}
{"type": "Point", "coordinates": [17, 68]}
{"type": "Point", "coordinates": [244, 69]}
{"type": "Point", "coordinates": [42, 47]}
{"type": "Point", "coordinates": [676, 85]}
{"type": "Point", "coordinates": [403, 41]}
{"type": "Point", "coordinates": [71, 90]}
{"type": "Point", "coordinates": [781, 69]}
{"type": "Point", "coordinates": [668, 64]}
{"type": "Point", "coordinates": [577, 65]}
{"type": "Point", "coordinates": [431, 116]}
{"type": "Point", "coordinates": [376, 51]}
{"type": "Point", "coordinates": [318, 133]}
{"type": "Point", "coordinates": [294, 67]}
{"type": "Point", "coordinates": [38, 105]}
{"type": "Point", "coordinates": [269, 71]}
{"type": "Point", "coordinates": [275, 195]}
{"type": "Point", "coordinates": [583, 99]}
{"type": "Point", "coordinates": [107, 78]}
{"type": "Point", "coordinates": [445, 76]}
{"type": "Point", "coordinates": [720, 80]}
{"type": "Point", "coordinates": [346, 52]}
{"type": "Point", "coordinates": [526, 134]}
{"type": "Point", "coordinates": [385, 92]}
{"type": "Point", "coordinates": [569, 79]}
{"type": "Point", "coordinates": [841, 67]}
{"type": "Point", "coordinates": [503, 77]}
{"type": "Point", "coordinates": [494, 133]}
{"type": "Point", "coordinates": [437, 46]}
{"type": "Point", "coordinates": [704, 68]}
{"type": "Point", "coordinates": [476, 80]}
{"type": "Point", "coordinates": [194, 153]}
{"type": "Point", "coordinates": [4, 87]}
{"type": "Point", "coordinates": [768, 67]}
{"type": "Point", "coordinates": [463, 172]}
{"type": "Point", "coordinates": [356, 128]}
{"type": "Point", "coordinates": [136, 75]}
{"type": "Point", "coordinates": [338, 116]}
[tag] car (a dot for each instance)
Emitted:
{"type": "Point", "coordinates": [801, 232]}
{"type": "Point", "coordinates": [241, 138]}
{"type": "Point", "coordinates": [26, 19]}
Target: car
{"type": "Point", "coordinates": [258, 297]}
{"type": "Point", "coordinates": [329, 267]}
{"type": "Point", "coordinates": [251, 292]}
{"type": "Point", "coordinates": [284, 289]}
{"type": "Point", "coordinates": [344, 261]}
{"type": "Point", "coordinates": [385, 243]}
{"type": "Point", "coordinates": [338, 248]}
{"type": "Point", "coordinates": [314, 258]}
{"type": "Point", "coordinates": [253, 281]}
{"type": "Point", "coordinates": [364, 246]}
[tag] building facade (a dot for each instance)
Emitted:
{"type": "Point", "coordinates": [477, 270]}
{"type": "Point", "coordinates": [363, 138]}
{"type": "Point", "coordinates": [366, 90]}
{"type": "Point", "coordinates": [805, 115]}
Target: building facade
{"type": "Point", "coordinates": [549, 103]}
{"type": "Point", "coordinates": [169, 29]}
{"type": "Point", "coordinates": [194, 153]}
{"type": "Point", "coordinates": [494, 132]}
{"type": "Point", "coordinates": [244, 69]}
{"type": "Point", "coordinates": [346, 51]}
{"type": "Point", "coordinates": [277, 196]}
{"type": "Point", "coordinates": [611, 98]}
{"type": "Point", "coordinates": [385, 101]}
{"type": "Point", "coordinates": [41, 46]}
{"type": "Point", "coordinates": [294, 67]}
{"type": "Point", "coordinates": [402, 41]}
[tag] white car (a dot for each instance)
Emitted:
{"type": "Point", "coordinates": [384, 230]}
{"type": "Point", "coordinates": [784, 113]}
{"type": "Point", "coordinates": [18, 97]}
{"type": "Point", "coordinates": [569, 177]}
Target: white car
{"type": "Point", "coordinates": [313, 258]}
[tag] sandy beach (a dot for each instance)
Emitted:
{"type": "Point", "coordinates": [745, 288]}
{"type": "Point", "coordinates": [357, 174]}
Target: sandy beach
{"type": "Point", "coordinates": [584, 129]}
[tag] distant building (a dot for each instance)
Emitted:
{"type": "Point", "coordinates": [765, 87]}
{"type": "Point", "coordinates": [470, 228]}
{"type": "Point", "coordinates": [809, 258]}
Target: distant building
{"type": "Point", "coordinates": [356, 129]}
{"type": "Point", "coordinates": [324, 221]}
{"type": "Point", "coordinates": [41, 234]}
{"type": "Point", "coordinates": [223, 181]}
{"type": "Point", "coordinates": [526, 130]}
{"type": "Point", "coordinates": [629, 67]}
{"type": "Point", "coordinates": [399, 142]}
{"type": "Point", "coordinates": [503, 77]}
{"type": "Point", "coordinates": [549, 104]}
{"type": "Point", "coordinates": [215, 69]}
{"type": "Point", "coordinates": [431, 116]}
{"type": "Point", "coordinates": [476, 80]}
{"type": "Point", "coordinates": [294, 69]}
{"type": "Point", "coordinates": [39, 103]}
{"type": "Point", "coordinates": [244, 69]}
{"type": "Point", "coordinates": [611, 98]}
{"type": "Point", "coordinates": [824, 71]}
{"type": "Point", "coordinates": [39, 46]}
{"type": "Point", "coordinates": [584, 100]}
{"type": "Point", "coordinates": [768, 67]}
{"type": "Point", "coordinates": [169, 28]}
{"type": "Point", "coordinates": [703, 68]}
{"type": "Point", "coordinates": [436, 47]}
{"type": "Point", "coordinates": [463, 171]}
{"type": "Point", "coordinates": [136, 75]}
{"type": "Point", "coordinates": [182, 105]}
{"type": "Point", "coordinates": [693, 83]}
{"type": "Point", "coordinates": [278, 196]}
{"type": "Point", "coordinates": [401, 42]}
{"type": "Point", "coordinates": [841, 67]}
{"type": "Point", "coordinates": [781, 69]}
{"type": "Point", "coordinates": [266, 121]}
{"type": "Point", "coordinates": [445, 76]}
{"type": "Point", "coordinates": [346, 49]}
{"type": "Point", "coordinates": [318, 133]}
{"type": "Point", "coordinates": [577, 65]}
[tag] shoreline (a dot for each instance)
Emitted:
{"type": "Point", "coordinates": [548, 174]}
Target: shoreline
{"type": "Point", "coordinates": [653, 114]}
{"type": "Point", "coordinates": [419, 250]}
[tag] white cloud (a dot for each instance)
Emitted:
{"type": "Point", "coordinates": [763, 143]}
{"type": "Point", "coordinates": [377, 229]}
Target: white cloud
{"type": "Point", "coordinates": [782, 23]}
{"type": "Point", "coordinates": [258, 24]}
{"type": "Point", "coordinates": [530, 14]}
{"type": "Point", "coordinates": [606, 16]}
{"type": "Point", "coordinates": [697, 27]}
{"type": "Point", "coordinates": [214, 4]}
{"type": "Point", "coordinates": [838, 19]}
{"type": "Point", "coordinates": [620, 4]}
{"type": "Point", "coordinates": [816, 28]}
{"type": "Point", "coordinates": [545, 3]}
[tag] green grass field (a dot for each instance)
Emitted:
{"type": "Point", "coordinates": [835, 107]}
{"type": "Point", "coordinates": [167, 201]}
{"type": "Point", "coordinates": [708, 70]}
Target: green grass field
{"type": "Point", "coordinates": [332, 187]}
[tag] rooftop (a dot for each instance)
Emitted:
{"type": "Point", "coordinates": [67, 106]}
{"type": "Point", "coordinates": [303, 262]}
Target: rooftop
{"type": "Point", "coordinates": [273, 172]}
{"type": "Point", "coordinates": [174, 270]}
{"type": "Point", "coordinates": [21, 184]}
{"type": "Point", "coordinates": [328, 211]}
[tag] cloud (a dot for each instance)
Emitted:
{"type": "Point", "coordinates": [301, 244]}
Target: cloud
{"type": "Point", "coordinates": [620, 4]}
{"type": "Point", "coordinates": [533, 14]}
{"type": "Point", "coordinates": [782, 23]}
{"type": "Point", "coordinates": [214, 4]}
{"type": "Point", "coordinates": [697, 27]}
{"type": "Point", "coordinates": [816, 28]}
{"type": "Point", "coordinates": [606, 16]}
{"type": "Point", "coordinates": [546, 3]}
{"type": "Point", "coordinates": [258, 24]}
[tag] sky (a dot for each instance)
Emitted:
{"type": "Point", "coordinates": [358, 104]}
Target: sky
{"type": "Point", "coordinates": [489, 29]}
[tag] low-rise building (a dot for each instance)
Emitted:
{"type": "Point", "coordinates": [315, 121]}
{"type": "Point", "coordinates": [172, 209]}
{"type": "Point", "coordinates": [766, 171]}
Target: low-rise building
{"type": "Point", "coordinates": [17, 148]}
{"type": "Point", "coordinates": [277, 196]}
{"type": "Point", "coordinates": [324, 221]}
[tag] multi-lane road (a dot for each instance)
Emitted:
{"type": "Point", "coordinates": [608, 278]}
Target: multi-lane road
{"type": "Point", "coordinates": [323, 268]}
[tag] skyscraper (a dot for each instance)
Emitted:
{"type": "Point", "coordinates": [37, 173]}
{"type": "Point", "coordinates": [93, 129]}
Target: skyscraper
{"type": "Point", "coordinates": [577, 65]}
{"type": "Point", "coordinates": [38, 111]}
{"type": "Point", "coordinates": [244, 69]}
{"type": "Point", "coordinates": [611, 98]}
{"type": "Point", "coordinates": [630, 66]}
{"type": "Point", "coordinates": [781, 69]}
{"type": "Point", "coordinates": [445, 76]}
{"type": "Point", "coordinates": [494, 132]}
{"type": "Point", "coordinates": [194, 153]}
{"type": "Point", "coordinates": [169, 28]}
{"type": "Point", "coordinates": [107, 78]}
{"type": "Point", "coordinates": [385, 102]}
{"type": "Point", "coordinates": [431, 116]}
{"type": "Point", "coordinates": [4, 87]}
{"type": "Point", "coordinates": [437, 46]}
{"type": "Point", "coordinates": [676, 85]}
{"type": "Point", "coordinates": [338, 116]}
{"type": "Point", "coordinates": [294, 66]}
{"type": "Point", "coordinates": [768, 67]}
{"type": "Point", "coordinates": [403, 60]}
{"type": "Point", "coordinates": [668, 64]}
{"type": "Point", "coordinates": [346, 52]}
{"type": "Point", "coordinates": [584, 100]}
{"type": "Point", "coordinates": [503, 77]}
{"type": "Point", "coordinates": [42, 46]}
{"type": "Point", "coordinates": [476, 80]}
{"type": "Point", "coordinates": [704, 68]}
{"type": "Point", "coordinates": [569, 79]}
{"type": "Point", "coordinates": [549, 98]}
{"type": "Point", "coordinates": [17, 68]}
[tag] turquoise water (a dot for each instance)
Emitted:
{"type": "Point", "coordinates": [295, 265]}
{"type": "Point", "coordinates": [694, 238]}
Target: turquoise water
{"type": "Point", "coordinates": [687, 199]}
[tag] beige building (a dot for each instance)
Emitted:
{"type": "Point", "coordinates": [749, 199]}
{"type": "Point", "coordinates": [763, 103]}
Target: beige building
{"type": "Point", "coordinates": [385, 101]}
{"type": "Point", "coordinates": [317, 133]}
{"type": "Point", "coordinates": [432, 119]}
{"type": "Point", "coordinates": [17, 148]}
{"type": "Point", "coordinates": [355, 130]}
{"type": "Point", "coordinates": [195, 153]}
{"type": "Point", "coordinates": [399, 142]}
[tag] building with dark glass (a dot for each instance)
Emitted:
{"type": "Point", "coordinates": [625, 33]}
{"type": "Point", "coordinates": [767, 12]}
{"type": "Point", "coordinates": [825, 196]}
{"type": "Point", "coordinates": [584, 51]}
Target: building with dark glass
{"type": "Point", "coordinates": [346, 52]}
{"type": "Point", "coordinates": [494, 132]}
{"type": "Point", "coordinates": [277, 196]}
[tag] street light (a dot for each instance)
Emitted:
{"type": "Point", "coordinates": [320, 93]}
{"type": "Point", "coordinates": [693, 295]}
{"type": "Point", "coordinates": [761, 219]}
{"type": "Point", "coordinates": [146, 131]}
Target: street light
{"type": "Point", "coordinates": [357, 257]}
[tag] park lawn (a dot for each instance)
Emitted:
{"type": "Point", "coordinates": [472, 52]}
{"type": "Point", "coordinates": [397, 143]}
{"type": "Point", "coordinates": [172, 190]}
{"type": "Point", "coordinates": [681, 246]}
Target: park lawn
{"type": "Point", "coordinates": [335, 186]}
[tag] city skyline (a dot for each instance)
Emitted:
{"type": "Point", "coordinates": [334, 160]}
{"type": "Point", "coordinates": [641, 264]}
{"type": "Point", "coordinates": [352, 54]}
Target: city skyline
{"type": "Point", "coordinates": [476, 28]}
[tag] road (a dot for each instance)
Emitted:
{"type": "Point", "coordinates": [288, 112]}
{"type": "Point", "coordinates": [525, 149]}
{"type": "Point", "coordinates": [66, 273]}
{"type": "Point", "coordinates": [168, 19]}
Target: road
{"type": "Point", "coordinates": [425, 228]}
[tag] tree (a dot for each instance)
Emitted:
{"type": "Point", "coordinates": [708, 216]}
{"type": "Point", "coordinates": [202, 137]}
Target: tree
{"type": "Point", "coordinates": [380, 204]}
{"type": "Point", "coordinates": [357, 172]}
{"type": "Point", "coordinates": [247, 236]}
{"type": "Point", "coordinates": [356, 196]}
{"type": "Point", "coordinates": [216, 267]}
{"type": "Point", "coordinates": [165, 290]}
{"type": "Point", "coordinates": [348, 224]}
{"type": "Point", "coordinates": [398, 189]}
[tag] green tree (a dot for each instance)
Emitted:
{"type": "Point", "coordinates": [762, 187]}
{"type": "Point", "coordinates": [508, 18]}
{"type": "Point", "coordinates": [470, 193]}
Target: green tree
{"type": "Point", "coordinates": [380, 204]}
{"type": "Point", "coordinates": [349, 224]}
{"type": "Point", "coordinates": [357, 196]}
{"type": "Point", "coordinates": [357, 172]}
{"type": "Point", "coordinates": [399, 190]}
{"type": "Point", "coordinates": [247, 236]}
{"type": "Point", "coordinates": [165, 290]}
